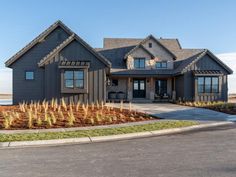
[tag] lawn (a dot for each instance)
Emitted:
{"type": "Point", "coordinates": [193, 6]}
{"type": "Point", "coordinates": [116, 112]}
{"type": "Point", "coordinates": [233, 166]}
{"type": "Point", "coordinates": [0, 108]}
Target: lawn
{"type": "Point", "coordinates": [96, 132]}
{"type": "Point", "coordinates": [58, 114]}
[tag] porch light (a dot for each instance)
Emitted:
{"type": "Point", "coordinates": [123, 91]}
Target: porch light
{"type": "Point", "coordinates": [108, 81]}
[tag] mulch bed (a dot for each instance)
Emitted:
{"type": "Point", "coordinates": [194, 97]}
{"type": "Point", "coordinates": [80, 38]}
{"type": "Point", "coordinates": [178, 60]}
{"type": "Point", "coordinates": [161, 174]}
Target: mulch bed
{"type": "Point", "coordinates": [106, 117]}
{"type": "Point", "coordinates": [224, 110]}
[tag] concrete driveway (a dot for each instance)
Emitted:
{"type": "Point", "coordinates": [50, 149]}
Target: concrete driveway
{"type": "Point", "coordinates": [178, 112]}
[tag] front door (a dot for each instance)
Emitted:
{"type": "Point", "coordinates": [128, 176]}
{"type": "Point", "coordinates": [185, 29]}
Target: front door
{"type": "Point", "coordinates": [139, 88]}
{"type": "Point", "coordinates": [161, 87]}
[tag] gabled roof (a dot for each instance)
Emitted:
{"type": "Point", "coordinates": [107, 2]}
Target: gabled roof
{"type": "Point", "coordinates": [112, 43]}
{"type": "Point", "coordinates": [138, 47]}
{"type": "Point", "coordinates": [73, 37]}
{"type": "Point", "coordinates": [217, 60]}
{"type": "Point", "coordinates": [152, 37]}
{"type": "Point", "coordinates": [39, 38]}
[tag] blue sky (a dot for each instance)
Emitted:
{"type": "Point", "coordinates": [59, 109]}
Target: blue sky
{"type": "Point", "coordinates": [197, 24]}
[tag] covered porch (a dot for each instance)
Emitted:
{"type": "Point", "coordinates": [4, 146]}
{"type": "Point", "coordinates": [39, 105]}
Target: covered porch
{"type": "Point", "coordinates": [142, 89]}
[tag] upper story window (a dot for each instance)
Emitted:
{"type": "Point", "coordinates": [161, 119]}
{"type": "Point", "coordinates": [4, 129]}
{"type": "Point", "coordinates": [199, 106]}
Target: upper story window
{"type": "Point", "coordinates": [74, 79]}
{"type": "Point", "coordinates": [208, 84]}
{"type": "Point", "coordinates": [150, 45]}
{"type": "Point", "coordinates": [139, 63]}
{"type": "Point", "coordinates": [29, 75]}
{"type": "Point", "coordinates": [161, 64]}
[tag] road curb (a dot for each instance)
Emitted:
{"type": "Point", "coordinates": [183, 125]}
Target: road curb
{"type": "Point", "coordinates": [111, 137]}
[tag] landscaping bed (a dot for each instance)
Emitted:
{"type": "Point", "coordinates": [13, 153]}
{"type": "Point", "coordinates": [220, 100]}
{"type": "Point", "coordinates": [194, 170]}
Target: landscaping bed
{"type": "Point", "coordinates": [229, 108]}
{"type": "Point", "coordinates": [95, 132]}
{"type": "Point", "coordinates": [61, 115]}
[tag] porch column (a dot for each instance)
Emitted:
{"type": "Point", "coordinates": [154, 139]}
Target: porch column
{"type": "Point", "coordinates": [174, 90]}
{"type": "Point", "coordinates": [196, 98]}
{"type": "Point", "coordinates": [152, 89]}
{"type": "Point", "coordinates": [129, 89]}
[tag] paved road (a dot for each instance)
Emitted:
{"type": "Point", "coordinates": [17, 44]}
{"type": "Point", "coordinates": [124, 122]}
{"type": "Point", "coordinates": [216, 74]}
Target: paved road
{"type": "Point", "coordinates": [208, 153]}
{"type": "Point", "coordinates": [178, 112]}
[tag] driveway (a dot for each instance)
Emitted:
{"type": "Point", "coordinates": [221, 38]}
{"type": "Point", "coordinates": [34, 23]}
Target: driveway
{"type": "Point", "coordinates": [178, 112]}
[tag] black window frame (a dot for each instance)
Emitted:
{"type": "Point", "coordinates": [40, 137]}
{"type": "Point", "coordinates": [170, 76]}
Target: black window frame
{"type": "Point", "coordinates": [74, 89]}
{"type": "Point", "coordinates": [161, 64]}
{"type": "Point", "coordinates": [74, 79]}
{"type": "Point", "coordinates": [150, 45]}
{"type": "Point", "coordinates": [139, 63]}
{"type": "Point", "coordinates": [29, 71]}
{"type": "Point", "coordinates": [205, 89]}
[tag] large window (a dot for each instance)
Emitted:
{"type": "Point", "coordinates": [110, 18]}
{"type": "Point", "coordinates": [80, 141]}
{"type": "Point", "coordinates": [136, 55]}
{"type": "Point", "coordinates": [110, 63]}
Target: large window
{"type": "Point", "coordinates": [139, 63]}
{"type": "Point", "coordinates": [161, 64]}
{"type": "Point", "coordinates": [208, 84]}
{"type": "Point", "coordinates": [74, 79]}
{"type": "Point", "coordinates": [29, 75]}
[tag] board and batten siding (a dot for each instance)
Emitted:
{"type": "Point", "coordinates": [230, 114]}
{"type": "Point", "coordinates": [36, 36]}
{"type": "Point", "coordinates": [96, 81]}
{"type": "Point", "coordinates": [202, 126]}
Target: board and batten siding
{"type": "Point", "coordinates": [24, 90]}
{"type": "Point", "coordinates": [190, 82]}
{"type": "Point", "coordinates": [96, 75]}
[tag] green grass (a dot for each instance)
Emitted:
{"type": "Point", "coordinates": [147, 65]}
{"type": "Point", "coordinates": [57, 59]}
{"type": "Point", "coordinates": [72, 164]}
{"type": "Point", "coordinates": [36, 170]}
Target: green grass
{"type": "Point", "coordinates": [96, 132]}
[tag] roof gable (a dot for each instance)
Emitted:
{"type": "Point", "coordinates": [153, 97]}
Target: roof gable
{"type": "Point", "coordinates": [212, 56]}
{"type": "Point", "coordinates": [139, 47]}
{"type": "Point", "coordinates": [35, 41]}
{"type": "Point", "coordinates": [70, 39]}
{"type": "Point", "coordinates": [144, 41]}
{"type": "Point", "coordinates": [159, 43]}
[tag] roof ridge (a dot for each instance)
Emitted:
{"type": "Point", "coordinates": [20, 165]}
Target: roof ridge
{"type": "Point", "coordinates": [123, 38]}
{"type": "Point", "coordinates": [36, 40]}
{"type": "Point", "coordinates": [200, 55]}
{"type": "Point", "coordinates": [144, 40]}
{"type": "Point", "coordinates": [151, 36]}
{"type": "Point", "coordinates": [43, 60]}
{"type": "Point", "coordinates": [66, 42]}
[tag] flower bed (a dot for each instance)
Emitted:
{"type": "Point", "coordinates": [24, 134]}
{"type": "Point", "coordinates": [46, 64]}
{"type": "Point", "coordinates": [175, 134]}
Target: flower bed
{"type": "Point", "coordinates": [229, 108]}
{"type": "Point", "coordinates": [54, 115]}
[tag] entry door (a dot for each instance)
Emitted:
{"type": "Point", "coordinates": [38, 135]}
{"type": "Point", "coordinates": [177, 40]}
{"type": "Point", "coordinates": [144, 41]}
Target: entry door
{"type": "Point", "coordinates": [161, 87]}
{"type": "Point", "coordinates": [139, 88]}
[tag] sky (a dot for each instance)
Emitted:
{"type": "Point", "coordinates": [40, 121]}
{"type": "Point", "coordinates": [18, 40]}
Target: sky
{"type": "Point", "coordinates": [197, 24]}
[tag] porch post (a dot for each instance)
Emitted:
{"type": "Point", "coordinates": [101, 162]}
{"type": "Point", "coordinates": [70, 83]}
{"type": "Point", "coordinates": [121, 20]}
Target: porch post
{"type": "Point", "coordinates": [129, 89]}
{"type": "Point", "coordinates": [152, 89]}
{"type": "Point", "coordinates": [196, 98]}
{"type": "Point", "coordinates": [174, 90]}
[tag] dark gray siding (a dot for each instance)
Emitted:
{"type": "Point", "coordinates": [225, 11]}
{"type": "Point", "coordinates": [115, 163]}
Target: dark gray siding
{"type": "Point", "coordinates": [179, 84]}
{"type": "Point", "coordinates": [205, 63]}
{"type": "Point", "coordinates": [34, 90]}
{"type": "Point", "coordinates": [96, 75]}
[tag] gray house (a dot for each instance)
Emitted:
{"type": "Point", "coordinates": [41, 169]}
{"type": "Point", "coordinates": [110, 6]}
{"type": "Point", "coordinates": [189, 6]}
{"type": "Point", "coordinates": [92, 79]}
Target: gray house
{"type": "Point", "coordinates": [59, 64]}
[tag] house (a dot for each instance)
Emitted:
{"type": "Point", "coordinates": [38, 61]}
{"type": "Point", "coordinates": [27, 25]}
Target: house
{"type": "Point", "coordinates": [160, 69]}
{"type": "Point", "coordinates": [59, 64]}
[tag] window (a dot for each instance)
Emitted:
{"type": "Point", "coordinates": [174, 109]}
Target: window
{"type": "Point", "coordinates": [215, 85]}
{"type": "Point", "coordinates": [139, 63]}
{"type": "Point", "coordinates": [150, 45]}
{"type": "Point", "coordinates": [200, 84]}
{"type": "Point", "coordinates": [114, 82]}
{"type": "Point", "coordinates": [29, 75]}
{"type": "Point", "coordinates": [161, 64]}
{"type": "Point", "coordinates": [135, 85]}
{"type": "Point", "coordinates": [208, 84]}
{"type": "Point", "coordinates": [74, 79]}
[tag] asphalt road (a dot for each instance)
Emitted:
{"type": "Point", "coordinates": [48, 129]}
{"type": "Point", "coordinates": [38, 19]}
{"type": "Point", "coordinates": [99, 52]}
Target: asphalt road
{"type": "Point", "coordinates": [208, 153]}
